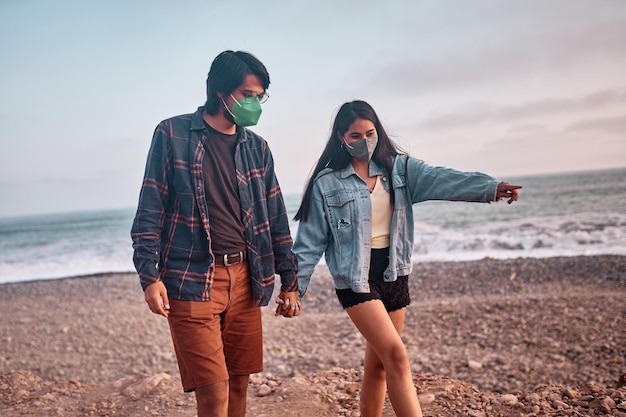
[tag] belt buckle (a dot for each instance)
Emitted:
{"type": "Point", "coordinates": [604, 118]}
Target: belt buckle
{"type": "Point", "coordinates": [227, 262]}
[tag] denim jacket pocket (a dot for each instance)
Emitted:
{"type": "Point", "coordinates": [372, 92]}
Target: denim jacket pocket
{"type": "Point", "coordinates": [340, 208]}
{"type": "Point", "coordinates": [341, 216]}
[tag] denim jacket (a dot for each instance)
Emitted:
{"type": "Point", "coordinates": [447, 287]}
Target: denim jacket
{"type": "Point", "coordinates": [339, 222]}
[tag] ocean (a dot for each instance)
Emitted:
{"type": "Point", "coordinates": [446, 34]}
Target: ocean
{"type": "Point", "coordinates": [581, 213]}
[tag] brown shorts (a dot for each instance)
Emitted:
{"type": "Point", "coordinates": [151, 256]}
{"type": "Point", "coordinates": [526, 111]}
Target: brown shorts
{"type": "Point", "coordinates": [221, 337]}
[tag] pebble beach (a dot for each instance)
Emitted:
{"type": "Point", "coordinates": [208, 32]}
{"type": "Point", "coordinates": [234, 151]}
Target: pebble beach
{"type": "Point", "coordinates": [516, 337]}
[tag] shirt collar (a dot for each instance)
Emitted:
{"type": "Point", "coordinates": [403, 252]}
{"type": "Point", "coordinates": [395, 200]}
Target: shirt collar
{"type": "Point", "coordinates": [198, 123]}
{"type": "Point", "coordinates": [375, 170]}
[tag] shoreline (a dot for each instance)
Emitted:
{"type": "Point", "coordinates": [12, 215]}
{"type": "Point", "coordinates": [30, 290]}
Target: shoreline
{"type": "Point", "coordinates": [416, 263]}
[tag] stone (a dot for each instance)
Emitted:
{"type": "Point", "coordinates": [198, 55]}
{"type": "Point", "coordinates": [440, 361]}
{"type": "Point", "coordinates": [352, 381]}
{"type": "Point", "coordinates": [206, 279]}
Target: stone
{"type": "Point", "coordinates": [569, 393]}
{"type": "Point", "coordinates": [604, 404]}
{"type": "Point", "coordinates": [609, 402]}
{"type": "Point", "coordinates": [263, 391]}
{"type": "Point", "coordinates": [533, 398]}
{"type": "Point", "coordinates": [508, 399]}
{"type": "Point", "coordinates": [146, 385]}
{"type": "Point", "coordinates": [559, 405]}
{"type": "Point", "coordinates": [426, 399]}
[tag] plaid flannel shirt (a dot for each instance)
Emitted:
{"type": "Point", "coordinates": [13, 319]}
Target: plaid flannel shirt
{"type": "Point", "coordinates": [171, 229]}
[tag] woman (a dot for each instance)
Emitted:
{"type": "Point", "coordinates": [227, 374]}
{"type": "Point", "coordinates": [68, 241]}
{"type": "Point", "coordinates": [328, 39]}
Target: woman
{"type": "Point", "coordinates": [357, 209]}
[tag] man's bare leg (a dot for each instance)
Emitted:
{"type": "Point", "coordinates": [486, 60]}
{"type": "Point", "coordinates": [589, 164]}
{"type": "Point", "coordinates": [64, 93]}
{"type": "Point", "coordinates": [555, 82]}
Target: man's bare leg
{"type": "Point", "coordinates": [237, 391]}
{"type": "Point", "coordinates": [212, 400]}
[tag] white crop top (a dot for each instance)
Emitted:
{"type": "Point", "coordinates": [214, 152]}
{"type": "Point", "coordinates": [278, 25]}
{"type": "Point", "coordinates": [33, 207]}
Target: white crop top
{"type": "Point", "coordinates": [381, 215]}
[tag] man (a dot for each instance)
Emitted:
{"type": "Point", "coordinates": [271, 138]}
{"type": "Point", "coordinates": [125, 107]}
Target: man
{"type": "Point", "coordinates": [211, 231]}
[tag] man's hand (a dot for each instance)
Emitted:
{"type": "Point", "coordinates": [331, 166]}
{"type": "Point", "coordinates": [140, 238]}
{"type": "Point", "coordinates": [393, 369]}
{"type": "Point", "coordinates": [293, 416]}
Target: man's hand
{"type": "Point", "coordinates": [506, 190]}
{"type": "Point", "coordinates": [288, 304]}
{"type": "Point", "coordinates": [156, 297]}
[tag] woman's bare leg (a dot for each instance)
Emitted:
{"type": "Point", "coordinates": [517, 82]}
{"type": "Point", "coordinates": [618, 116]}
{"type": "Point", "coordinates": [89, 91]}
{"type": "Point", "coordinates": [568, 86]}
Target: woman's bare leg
{"type": "Point", "coordinates": [374, 386]}
{"type": "Point", "coordinates": [383, 339]}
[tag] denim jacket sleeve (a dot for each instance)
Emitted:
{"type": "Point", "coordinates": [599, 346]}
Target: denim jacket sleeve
{"type": "Point", "coordinates": [149, 218]}
{"type": "Point", "coordinates": [311, 240]}
{"type": "Point", "coordinates": [427, 182]}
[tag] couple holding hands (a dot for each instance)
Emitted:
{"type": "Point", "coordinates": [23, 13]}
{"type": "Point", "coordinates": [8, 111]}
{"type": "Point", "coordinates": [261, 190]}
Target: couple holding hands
{"type": "Point", "coordinates": [211, 232]}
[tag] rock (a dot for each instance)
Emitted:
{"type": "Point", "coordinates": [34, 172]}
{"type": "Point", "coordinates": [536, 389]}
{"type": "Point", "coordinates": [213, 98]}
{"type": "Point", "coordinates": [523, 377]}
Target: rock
{"type": "Point", "coordinates": [146, 385]}
{"type": "Point", "coordinates": [21, 394]}
{"type": "Point", "coordinates": [608, 401]}
{"type": "Point", "coordinates": [426, 399]}
{"type": "Point", "coordinates": [533, 398]}
{"type": "Point", "coordinates": [508, 399]}
{"type": "Point", "coordinates": [559, 405]}
{"type": "Point", "coordinates": [569, 393]}
{"type": "Point", "coordinates": [264, 390]}
{"type": "Point", "coordinates": [352, 389]}
{"type": "Point", "coordinates": [604, 404]}
{"type": "Point", "coordinates": [48, 397]}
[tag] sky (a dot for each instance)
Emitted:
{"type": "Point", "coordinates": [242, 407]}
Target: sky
{"type": "Point", "coordinates": [510, 88]}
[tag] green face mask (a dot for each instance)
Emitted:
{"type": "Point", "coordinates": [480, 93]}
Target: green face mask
{"type": "Point", "coordinates": [244, 113]}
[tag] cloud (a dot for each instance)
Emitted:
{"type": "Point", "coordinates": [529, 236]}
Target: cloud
{"type": "Point", "coordinates": [546, 107]}
{"type": "Point", "coordinates": [555, 151]}
{"type": "Point", "coordinates": [528, 128]}
{"type": "Point", "coordinates": [615, 125]}
{"type": "Point", "coordinates": [512, 59]}
{"type": "Point", "coordinates": [529, 110]}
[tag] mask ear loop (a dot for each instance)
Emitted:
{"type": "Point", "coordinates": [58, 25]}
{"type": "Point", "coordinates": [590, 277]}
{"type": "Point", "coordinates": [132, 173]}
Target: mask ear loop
{"type": "Point", "coordinates": [226, 107]}
{"type": "Point", "coordinates": [235, 100]}
{"type": "Point", "coordinates": [344, 143]}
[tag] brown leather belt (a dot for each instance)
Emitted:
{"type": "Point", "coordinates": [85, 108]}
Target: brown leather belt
{"type": "Point", "coordinates": [230, 258]}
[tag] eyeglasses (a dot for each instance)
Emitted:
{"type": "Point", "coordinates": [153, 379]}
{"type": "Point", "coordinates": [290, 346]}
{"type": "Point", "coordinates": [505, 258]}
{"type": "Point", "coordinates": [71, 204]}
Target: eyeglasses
{"type": "Point", "coordinates": [250, 96]}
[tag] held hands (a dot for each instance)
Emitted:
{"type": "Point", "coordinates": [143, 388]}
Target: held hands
{"type": "Point", "coordinates": [506, 190]}
{"type": "Point", "coordinates": [156, 297]}
{"type": "Point", "coordinates": [288, 304]}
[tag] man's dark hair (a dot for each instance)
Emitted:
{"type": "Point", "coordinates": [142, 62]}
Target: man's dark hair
{"type": "Point", "coordinates": [227, 72]}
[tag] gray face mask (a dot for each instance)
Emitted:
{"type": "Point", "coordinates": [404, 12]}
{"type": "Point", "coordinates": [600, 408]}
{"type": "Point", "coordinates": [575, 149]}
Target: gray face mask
{"type": "Point", "coordinates": [362, 149]}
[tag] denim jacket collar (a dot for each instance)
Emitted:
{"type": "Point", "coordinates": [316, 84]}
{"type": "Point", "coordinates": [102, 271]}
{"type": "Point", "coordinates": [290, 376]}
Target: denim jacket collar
{"type": "Point", "coordinates": [349, 170]}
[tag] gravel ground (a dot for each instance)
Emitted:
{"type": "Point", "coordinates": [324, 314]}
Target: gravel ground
{"type": "Point", "coordinates": [486, 338]}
